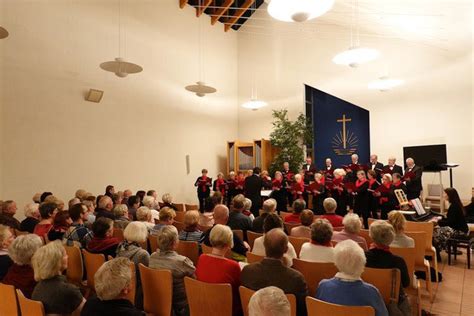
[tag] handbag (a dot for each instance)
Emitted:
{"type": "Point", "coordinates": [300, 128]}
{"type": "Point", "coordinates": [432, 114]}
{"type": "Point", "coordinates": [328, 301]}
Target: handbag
{"type": "Point", "coordinates": [402, 307]}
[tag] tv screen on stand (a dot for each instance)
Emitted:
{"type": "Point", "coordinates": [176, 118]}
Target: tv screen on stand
{"type": "Point", "coordinates": [430, 157]}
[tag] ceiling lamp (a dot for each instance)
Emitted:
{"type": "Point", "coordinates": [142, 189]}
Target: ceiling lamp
{"type": "Point", "coordinates": [254, 104]}
{"type": "Point", "coordinates": [298, 10]}
{"type": "Point", "coordinates": [3, 33]}
{"type": "Point", "coordinates": [355, 56]}
{"type": "Point", "coordinates": [119, 66]}
{"type": "Point", "coordinates": [384, 84]}
{"type": "Point", "coordinates": [200, 89]}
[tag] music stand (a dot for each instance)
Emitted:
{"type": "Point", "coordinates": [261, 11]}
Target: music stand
{"type": "Point", "coordinates": [450, 166]}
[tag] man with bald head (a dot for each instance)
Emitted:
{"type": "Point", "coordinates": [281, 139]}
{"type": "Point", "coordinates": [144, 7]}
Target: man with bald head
{"type": "Point", "coordinates": [412, 178]}
{"type": "Point", "coordinates": [392, 167]}
{"type": "Point", "coordinates": [221, 216]}
{"type": "Point", "coordinates": [272, 271]}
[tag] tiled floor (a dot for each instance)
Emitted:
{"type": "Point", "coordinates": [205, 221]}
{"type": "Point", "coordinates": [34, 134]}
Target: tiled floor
{"type": "Point", "coordinates": [454, 296]}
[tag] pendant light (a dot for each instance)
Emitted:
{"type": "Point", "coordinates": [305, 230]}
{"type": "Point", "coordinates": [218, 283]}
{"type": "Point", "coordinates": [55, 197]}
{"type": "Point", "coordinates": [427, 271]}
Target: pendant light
{"type": "Point", "coordinates": [385, 83]}
{"type": "Point", "coordinates": [3, 33]}
{"type": "Point", "coordinates": [298, 10]}
{"type": "Point", "coordinates": [200, 88]}
{"type": "Point", "coordinates": [356, 54]}
{"type": "Point", "coordinates": [119, 66]}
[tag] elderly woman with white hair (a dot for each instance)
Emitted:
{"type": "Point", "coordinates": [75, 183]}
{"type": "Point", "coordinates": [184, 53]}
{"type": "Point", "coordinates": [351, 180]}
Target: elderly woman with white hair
{"type": "Point", "coordinates": [57, 295]}
{"type": "Point", "coordinates": [144, 215]}
{"type": "Point", "coordinates": [269, 301]}
{"type": "Point", "coordinates": [352, 226]}
{"type": "Point", "coordinates": [32, 217]}
{"type": "Point", "coordinates": [168, 201]}
{"type": "Point", "coordinates": [6, 238]}
{"type": "Point", "coordinates": [21, 274]}
{"type": "Point", "coordinates": [347, 288]}
{"type": "Point", "coordinates": [168, 259]}
{"type": "Point", "coordinates": [121, 216]}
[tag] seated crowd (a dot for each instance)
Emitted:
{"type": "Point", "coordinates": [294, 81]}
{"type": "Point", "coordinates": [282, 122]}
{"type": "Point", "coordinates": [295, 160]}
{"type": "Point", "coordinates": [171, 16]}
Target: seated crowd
{"type": "Point", "coordinates": [33, 257]}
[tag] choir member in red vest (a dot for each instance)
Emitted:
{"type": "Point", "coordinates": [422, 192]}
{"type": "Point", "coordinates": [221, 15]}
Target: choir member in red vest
{"type": "Point", "coordinates": [338, 192]}
{"type": "Point", "coordinates": [318, 193]}
{"type": "Point", "coordinates": [278, 192]}
{"type": "Point", "coordinates": [361, 197]}
{"type": "Point", "coordinates": [288, 181]}
{"type": "Point", "coordinates": [297, 189]}
{"type": "Point", "coordinates": [203, 184]}
{"type": "Point", "coordinates": [240, 183]}
{"type": "Point", "coordinates": [373, 200]}
{"type": "Point", "coordinates": [220, 184]}
{"type": "Point", "coordinates": [386, 196]}
{"type": "Point", "coordinates": [266, 180]}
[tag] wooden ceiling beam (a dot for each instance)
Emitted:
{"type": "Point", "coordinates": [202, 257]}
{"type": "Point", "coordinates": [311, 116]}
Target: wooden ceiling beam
{"type": "Point", "coordinates": [231, 21]}
{"type": "Point", "coordinates": [182, 3]}
{"type": "Point", "coordinates": [203, 7]}
{"type": "Point", "coordinates": [220, 12]}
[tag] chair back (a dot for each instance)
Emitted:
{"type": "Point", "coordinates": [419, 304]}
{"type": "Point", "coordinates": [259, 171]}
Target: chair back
{"type": "Point", "coordinates": [191, 207]}
{"type": "Point", "coordinates": [29, 307]}
{"type": "Point", "coordinates": [252, 258]}
{"type": "Point", "coordinates": [420, 242]}
{"type": "Point", "coordinates": [74, 272]}
{"type": "Point", "coordinates": [179, 225]}
{"type": "Point", "coordinates": [180, 216]}
{"type": "Point", "coordinates": [297, 243]}
{"type": "Point", "coordinates": [290, 226]}
{"type": "Point", "coordinates": [251, 236]}
{"type": "Point", "coordinates": [92, 262]}
{"type": "Point", "coordinates": [409, 255]}
{"type": "Point", "coordinates": [383, 279]}
{"type": "Point", "coordinates": [318, 308]}
{"type": "Point", "coordinates": [153, 241]}
{"type": "Point", "coordinates": [246, 294]}
{"type": "Point", "coordinates": [189, 249]}
{"type": "Point", "coordinates": [314, 272]}
{"type": "Point", "coordinates": [8, 303]}
{"type": "Point", "coordinates": [157, 290]}
{"type": "Point", "coordinates": [118, 233]}
{"type": "Point", "coordinates": [426, 227]}
{"type": "Point", "coordinates": [208, 249]}
{"type": "Point", "coordinates": [208, 298]}
{"type": "Point", "coordinates": [435, 190]}
{"type": "Point", "coordinates": [239, 233]}
{"type": "Point", "coordinates": [365, 234]}
{"type": "Point", "coordinates": [179, 207]}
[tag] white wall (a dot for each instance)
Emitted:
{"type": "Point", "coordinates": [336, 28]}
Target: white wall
{"type": "Point", "coordinates": [433, 107]}
{"type": "Point", "coordinates": [146, 124]}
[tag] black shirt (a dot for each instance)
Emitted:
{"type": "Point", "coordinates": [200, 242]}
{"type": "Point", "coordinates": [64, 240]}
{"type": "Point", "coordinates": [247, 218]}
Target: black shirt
{"type": "Point", "coordinates": [57, 295]}
{"type": "Point", "coordinates": [257, 224]}
{"type": "Point", "coordinates": [100, 212]}
{"type": "Point", "coordinates": [28, 224]}
{"type": "Point", "coordinates": [239, 246]}
{"type": "Point", "coordinates": [121, 307]}
{"type": "Point", "coordinates": [381, 259]}
{"type": "Point", "coordinates": [455, 219]}
{"type": "Point", "coordinates": [5, 263]}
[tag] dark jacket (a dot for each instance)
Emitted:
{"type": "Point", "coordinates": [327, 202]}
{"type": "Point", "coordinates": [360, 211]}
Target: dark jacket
{"type": "Point", "coordinates": [237, 220]}
{"type": "Point", "coordinates": [95, 306]}
{"type": "Point", "coordinates": [100, 212]}
{"type": "Point", "coordinates": [253, 188]}
{"type": "Point", "coordinates": [455, 219]}
{"type": "Point", "coordinates": [396, 169]}
{"type": "Point", "coordinates": [239, 246]}
{"type": "Point", "coordinates": [414, 185]}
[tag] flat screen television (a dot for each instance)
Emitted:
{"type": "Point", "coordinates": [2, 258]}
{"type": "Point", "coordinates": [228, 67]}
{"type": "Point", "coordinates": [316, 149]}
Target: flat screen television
{"type": "Point", "coordinates": [430, 157]}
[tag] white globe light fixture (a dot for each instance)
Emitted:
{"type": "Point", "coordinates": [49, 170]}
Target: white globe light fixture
{"type": "Point", "coordinates": [254, 104]}
{"type": "Point", "coordinates": [355, 56]}
{"type": "Point", "coordinates": [298, 10]}
{"type": "Point", "coordinates": [384, 84]}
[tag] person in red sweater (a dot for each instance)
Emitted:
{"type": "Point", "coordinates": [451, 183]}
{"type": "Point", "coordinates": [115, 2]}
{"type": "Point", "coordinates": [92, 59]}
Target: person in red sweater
{"type": "Point", "coordinates": [298, 206]}
{"type": "Point", "coordinates": [330, 206]}
{"type": "Point", "coordinates": [216, 268]}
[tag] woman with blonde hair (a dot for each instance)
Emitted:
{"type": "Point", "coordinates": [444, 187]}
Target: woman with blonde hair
{"type": "Point", "coordinates": [57, 295]}
{"type": "Point", "coordinates": [398, 222]}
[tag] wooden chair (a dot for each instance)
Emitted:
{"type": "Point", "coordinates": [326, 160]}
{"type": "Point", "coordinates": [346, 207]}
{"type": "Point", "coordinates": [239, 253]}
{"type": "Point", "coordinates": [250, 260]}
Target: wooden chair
{"type": "Point", "coordinates": [208, 298]}
{"type": "Point", "coordinates": [246, 294]}
{"type": "Point", "coordinates": [75, 267]}
{"type": "Point", "coordinates": [8, 303]}
{"type": "Point", "coordinates": [297, 243]}
{"type": "Point", "coordinates": [365, 234]}
{"type": "Point", "coordinates": [290, 226]}
{"type": "Point", "coordinates": [252, 258]}
{"type": "Point", "coordinates": [319, 308]}
{"type": "Point", "coordinates": [421, 264]}
{"type": "Point", "coordinates": [428, 228]}
{"type": "Point", "coordinates": [207, 250]}
{"type": "Point", "coordinates": [191, 207]}
{"type": "Point", "coordinates": [251, 236]}
{"type": "Point", "coordinates": [179, 226]}
{"type": "Point", "coordinates": [314, 272]}
{"type": "Point", "coordinates": [189, 249]}
{"type": "Point", "coordinates": [179, 207]}
{"type": "Point", "coordinates": [157, 290]}
{"type": "Point", "coordinates": [118, 233]}
{"type": "Point", "coordinates": [239, 233]}
{"type": "Point", "coordinates": [92, 262]}
{"type": "Point", "coordinates": [382, 279]}
{"type": "Point", "coordinates": [153, 241]}
{"type": "Point", "coordinates": [29, 307]}
{"type": "Point", "coordinates": [179, 217]}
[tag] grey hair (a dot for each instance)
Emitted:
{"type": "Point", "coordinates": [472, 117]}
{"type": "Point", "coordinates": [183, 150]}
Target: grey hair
{"type": "Point", "coordinates": [352, 223]}
{"type": "Point", "coordinates": [330, 205]}
{"type": "Point", "coordinates": [112, 277]}
{"type": "Point", "coordinates": [382, 233]}
{"type": "Point", "coordinates": [23, 248]}
{"type": "Point", "coordinates": [269, 301]}
{"type": "Point", "coordinates": [31, 208]}
{"type": "Point", "coordinates": [167, 237]}
{"type": "Point", "coordinates": [349, 258]}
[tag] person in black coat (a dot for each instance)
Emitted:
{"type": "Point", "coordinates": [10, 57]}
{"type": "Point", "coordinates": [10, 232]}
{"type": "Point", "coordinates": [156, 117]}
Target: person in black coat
{"type": "Point", "coordinates": [203, 184]}
{"type": "Point", "coordinates": [361, 197]}
{"type": "Point", "coordinates": [253, 188]}
{"type": "Point", "coordinates": [373, 200]}
{"type": "Point", "coordinates": [412, 177]}
{"type": "Point", "coordinates": [309, 170]}
{"type": "Point", "coordinates": [375, 166]}
{"type": "Point", "coordinates": [392, 167]}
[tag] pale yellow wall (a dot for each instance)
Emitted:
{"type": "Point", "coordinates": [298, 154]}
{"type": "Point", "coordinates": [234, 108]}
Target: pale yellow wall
{"type": "Point", "coordinates": [146, 124]}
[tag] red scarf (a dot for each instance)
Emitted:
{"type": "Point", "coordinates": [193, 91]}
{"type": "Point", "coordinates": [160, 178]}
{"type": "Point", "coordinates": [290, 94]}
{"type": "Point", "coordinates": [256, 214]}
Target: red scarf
{"type": "Point", "coordinates": [276, 184]}
{"type": "Point", "coordinates": [204, 185]}
{"type": "Point", "coordinates": [372, 181]}
{"type": "Point", "coordinates": [100, 244]}
{"type": "Point", "coordinates": [220, 185]}
{"type": "Point", "coordinates": [380, 247]}
{"type": "Point", "coordinates": [359, 183]}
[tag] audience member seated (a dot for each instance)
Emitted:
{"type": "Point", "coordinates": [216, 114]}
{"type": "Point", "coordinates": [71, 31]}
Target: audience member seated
{"type": "Point", "coordinates": [103, 241]}
{"type": "Point", "coordinates": [117, 198]}
{"type": "Point", "coordinates": [237, 220]}
{"type": "Point", "coordinates": [380, 257]}
{"type": "Point", "coordinates": [6, 238]}
{"type": "Point", "coordinates": [90, 212]}
{"type": "Point", "coordinates": [221, 216]}
{"type": "Point", "coordinates": [127, 193]}
{"type": "Point", "coordinates": [168, 201]}
{"type": "Point", "coordinates": [53, 290]}
{"type": "Point", "coordinates": [133, 203]}
{"type": "Point", "coordinates": [61, 223]}
{"type": "Point", "coordinates": [36, 198]}
{"type": "Point", "coordinates": [44, 195]}
{"type": "Point", "coordinates": [78, 234]}
{"type": "Point", "coordinates": [52, 199]}
{"type": "Point", "coordinates": [273, 221]}
{"type": "Point", "coordinates": [268, 207]}
{"type": "Point", "coordinates": [73, 202]}
{"type": "Point", "coordinates": [47, 213]}
{"type": "Point", "coordinates": [81, 194]}
{"type": "Point", "coordinates": [320, 248]}
{"type": "Point", "coordinates": [180, 266]}
{"type": "Point", "coordinates": [298, 206]}
{"type": "Point", "coordinates": [144, 216]}
{"type": "Point", "coordinates": [21, 274]}
{"type": "Point", "coordinates": [112, 284]}
{"type": "Point", "coordinates": [330, 206]}
{"type": "Point", "coordinates": [216, 268]}
{"type": "Point", "coordinates": [272, 272]}
{"type": "Point", "coordinates": [247, 208]}
{"type": "Point", "coordinates": [167, 216]}
{"type": "Point", "coordinates": [397, 220]}
{"type": "Point", "coordinates": [191, 230]}
{"type": "Point", "coordinates": [269, 301]}
{"type": "Point", "coordinates": [150, 202]}
{"type": "Point", "coordinates": [352, 226]}
{"type": "Point", "coordinates": [134, 234]}
{"type": "Point", "coordinates": [7, 213]}
{"type": "Point", "coordinates": [347, 288]}
{"type": "Point", "coordinates": [122, 219]}
{"type": "Point", "coordinates": [469, 210]}
{"type": "Point", "coordinates": [104, 208]}
{"type": "Point", "coordinates": [32, 217]}
{"type": "Point", "coordinates": [304, 230]}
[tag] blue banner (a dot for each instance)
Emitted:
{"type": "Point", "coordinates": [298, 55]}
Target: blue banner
{"type": "Point", "coordinates": [340, 129]}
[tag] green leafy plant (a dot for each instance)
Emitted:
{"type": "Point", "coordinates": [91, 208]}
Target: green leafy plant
{"type": "Point", "coordinates": [289, 137]}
